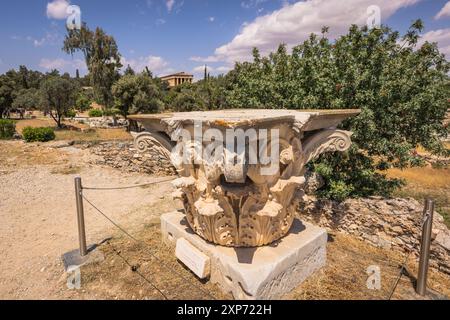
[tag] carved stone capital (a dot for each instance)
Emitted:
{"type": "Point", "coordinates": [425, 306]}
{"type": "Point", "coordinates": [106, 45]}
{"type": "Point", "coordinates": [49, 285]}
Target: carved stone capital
{"type": "Point", "coordinates": [156, 142]}
{"type": "Point", "coordinates": [328, 140]}
{"type": "Point", "coordinates": [240, 203]}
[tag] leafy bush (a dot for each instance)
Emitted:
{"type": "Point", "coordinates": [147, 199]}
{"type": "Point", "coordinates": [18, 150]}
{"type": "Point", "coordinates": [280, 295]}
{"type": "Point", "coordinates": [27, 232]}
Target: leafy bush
{"type": "Point", "coordinates": [7, 128]}
{"type": "Point", "coordinates": [83, 102]}
{"type": "Point", "coordinates": [38, 134]}
{"type": "Point", "coordinates": [95, 113]}
{"type": "Point", "coordinates": [111, 112]}
{"type": "Point", "coordinates": [400, 84]}
{"type": "Point", "coordinates": [71, 113]}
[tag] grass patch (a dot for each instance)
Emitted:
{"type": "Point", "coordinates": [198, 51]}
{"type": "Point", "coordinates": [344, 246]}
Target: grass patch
{"type": "Point", "coordinates": [94, 135]}
{"type": "Point", "coordinates": [426, 182]}
{"type": "Point", "coordinates": [78, 131]}
{"type": "Point", "coordinates": [67, 170]}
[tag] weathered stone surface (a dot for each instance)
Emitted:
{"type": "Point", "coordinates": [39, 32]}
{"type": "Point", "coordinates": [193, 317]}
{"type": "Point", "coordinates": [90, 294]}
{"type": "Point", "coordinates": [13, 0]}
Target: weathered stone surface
{"type": "Point", "coordinates": [387, 223]}
{"type": "Point", "coordinates": [105, 122]}
{"type": "Point", "coordinates": [124, 156]}
{"type": "Point", "coordinates": [266, 272]}
{"type": "Point", "coordinates": [194, 259]}
{"type": "Point", "coordinates": [314, 182]}
{"type": "Point", "coordinates": [229, 199]}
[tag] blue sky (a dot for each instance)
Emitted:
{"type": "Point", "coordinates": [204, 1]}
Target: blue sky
{"type": "Point", "coordinates": [176, 35]}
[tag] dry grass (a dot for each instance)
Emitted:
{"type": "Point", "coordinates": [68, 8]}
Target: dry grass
{"type": "Point", "coordinates": [117, 277]}
{"type": "Point", "coordinates": [425, 177]}
{"type": "Point", "coordinates": [18, 153]}
{"type": "Point", "coordinates": [78, 131]}
{"type": "Point", "coordinates": [426, 182]}
{"type": "Point", "coordinates": [344, 277]}
{"type": "Point", "coordinates": [95, 135]}
{"type": "Point", "coordinates": [66, 170]}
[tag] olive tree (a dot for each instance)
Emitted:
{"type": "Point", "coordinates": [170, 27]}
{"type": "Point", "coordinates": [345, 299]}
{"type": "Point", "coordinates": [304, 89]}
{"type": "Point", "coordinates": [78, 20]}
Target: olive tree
{"type": "Point", "coordinates": [58, 96]}
{"type": "Point", "coordinates": [137, 94]}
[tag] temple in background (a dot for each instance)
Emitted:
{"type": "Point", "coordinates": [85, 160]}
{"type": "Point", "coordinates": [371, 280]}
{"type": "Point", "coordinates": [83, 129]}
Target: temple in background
{"type": "Point", "coordinates": [176, 79]}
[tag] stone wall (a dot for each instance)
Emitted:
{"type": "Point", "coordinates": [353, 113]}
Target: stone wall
{"type": "Point", "coordinates": [387, 223]}
{"type": "Point", "coordinates": [123, 156]}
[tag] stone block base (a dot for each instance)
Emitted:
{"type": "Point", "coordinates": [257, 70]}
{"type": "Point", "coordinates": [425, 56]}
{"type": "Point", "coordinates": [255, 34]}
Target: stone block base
{"type": "Point", "coordinates": [266, 272]}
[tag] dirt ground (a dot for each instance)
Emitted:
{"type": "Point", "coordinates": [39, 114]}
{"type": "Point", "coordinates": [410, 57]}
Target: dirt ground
{"type": "Point", "coordinates": [38, 225]}
{"type": "Point", "coordinates": [38, 213]}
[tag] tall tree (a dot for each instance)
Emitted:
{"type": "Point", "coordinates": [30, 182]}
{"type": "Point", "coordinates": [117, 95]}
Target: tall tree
{"type": "Point", "coordinates": [58, 96]}
{"type": "Point", "coordinates": [102, 59]}
{"type": "Point", "coordinates": [7, 92]}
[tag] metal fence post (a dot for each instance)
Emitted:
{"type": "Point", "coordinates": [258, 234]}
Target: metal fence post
{"type": "Point", "coordinates": [80, 215]}
{"type": "Point", "coordinates": [425, 243]}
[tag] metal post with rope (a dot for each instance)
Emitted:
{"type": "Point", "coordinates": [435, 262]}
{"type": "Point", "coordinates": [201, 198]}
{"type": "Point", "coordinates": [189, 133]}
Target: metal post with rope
{"type": "Point", "coordinates": [82, 234]}
{"type": "Point", "coordinates": [425, 244]}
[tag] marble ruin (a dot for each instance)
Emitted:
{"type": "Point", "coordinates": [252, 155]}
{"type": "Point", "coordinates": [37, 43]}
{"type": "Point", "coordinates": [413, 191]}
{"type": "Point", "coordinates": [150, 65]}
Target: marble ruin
{"type": "Point", "coordinates": [234, 203]}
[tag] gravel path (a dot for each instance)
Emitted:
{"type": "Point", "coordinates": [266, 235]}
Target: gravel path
{"type": "Point", "coordinates": [38, 218]}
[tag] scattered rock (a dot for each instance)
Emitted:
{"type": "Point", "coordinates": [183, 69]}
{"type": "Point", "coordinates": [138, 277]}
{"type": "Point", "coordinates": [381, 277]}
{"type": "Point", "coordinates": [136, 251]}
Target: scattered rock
{"type": "Point", "coordinates": [106, 122]}
{"type": "Point", "coordinates": [387, 223]}
{"type": "Point", "coordinates": [122, 155]}
{"type": "Point", "coordinates": [313, 182]}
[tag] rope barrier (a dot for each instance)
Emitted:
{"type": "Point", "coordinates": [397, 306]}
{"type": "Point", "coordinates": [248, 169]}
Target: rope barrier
{"type": "Point", "coordinates": [130, 187]}
{"type": "Point", "coordinates": [138, 273]}
{"type": "Point", "coordinates": [145, 247]}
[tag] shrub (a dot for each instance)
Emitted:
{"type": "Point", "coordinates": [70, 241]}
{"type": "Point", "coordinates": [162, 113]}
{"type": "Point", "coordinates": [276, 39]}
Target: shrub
{"type": "Point", "coordinates": [38, 134]}
{"type": "Point", "coordinates": [7, 128]}
{"type": "Point", "coordinates": [71, 113]}
{"type": "Point", "coordinates": [95, 113]}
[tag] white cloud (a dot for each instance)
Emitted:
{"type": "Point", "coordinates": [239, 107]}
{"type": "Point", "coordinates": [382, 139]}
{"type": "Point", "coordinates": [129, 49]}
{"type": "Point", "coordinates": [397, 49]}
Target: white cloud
{"type": "Point", "coordinates": [199, 71]}
{"type": "Point", "coordinates": [204, 59]}
{"type": "Point", "coordinates": [157, 65]}
{"type": "Point", "coordinates": [211, 19]}
{"type": "Point", "coordinates": [441, 36]}
{"type": "Point", "coordinates": [293, 23]}
{"type": "Point", "coordinates": [170, 4]}
{"type": "Point", "coordinates": [159, 22]}
{"type": "Point", "coordinates": [445, 12]}
{"type": "Point", "coordinates": [57, 9]}
{"type": "Point", "coordinates": [251, 3]}
{"type": "Point", "coordinates": [223, 69]}
{"type": "Point", "coordinates": [50, 38]}
{"type": "Point", "coordinates": [63, 65]}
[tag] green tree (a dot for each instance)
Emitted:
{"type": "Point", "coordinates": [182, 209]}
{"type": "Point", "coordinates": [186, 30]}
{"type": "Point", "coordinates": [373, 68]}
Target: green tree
{"type": "Point", "coordinates": [83, 102]}
{"type": "Point", "coordinates": [7, 89]}
{"type": "Point", "coordinates": [27, 99]}
{"type": "Point", "coordinates": [58, 97]}
{"type": "Point", "coordinates": [102, 59]}
{"type": "Point", "coordinates": [399, 86]}
{"type": "Point", "coordinates": [129, 71]}
{"type": "Point", "coordinates": [185, 97]}
{"type": "Point", "coordinates": [137, 94]}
